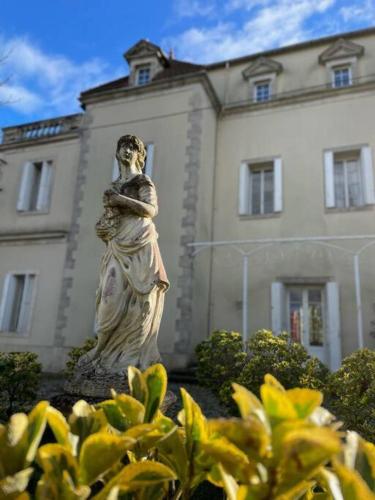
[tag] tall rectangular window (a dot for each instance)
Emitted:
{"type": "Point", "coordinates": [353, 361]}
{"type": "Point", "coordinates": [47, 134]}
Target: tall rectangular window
{"type": "Point", "coordinates": [348, 183]}
{"type": "Point", "coordinates": [16, 302]}
{"type": "Point", "coordinates": [35, 189]}
{"type": "Point", "coordinates": [143, 75]}
{"type": "Point", "coordinates": [262, 91]}
{"type": "Point", "coordinates": [260, 187]}
{"type": "Point", "coordinates": [305, 315]}
{"type": "Point", "coordinates": [341, 76]}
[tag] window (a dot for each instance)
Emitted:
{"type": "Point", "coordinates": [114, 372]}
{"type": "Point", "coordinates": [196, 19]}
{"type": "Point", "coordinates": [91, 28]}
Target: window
{"type": "Point", "coordinates": [311, 313]}
{"type": "Point", "coordinates": [349, 180]}
{"type": "Point", "coordinates": [348, 185]}
{"type": "Point", "coordinates": [262, 91]}
{"type": "Point", "coordinates": [35, 189]}
{"type": "Point", "coordinates": [15, 309]}
{"type": "Point", "coordinates": [341, 76]}
{"type": "Point", "coordinates": [260, 188]}
{"type": "Point", "coordinates": [305, 315]}
{"type": "Point", "coordinates": [143, 75]}
{"type": "Point", "coordinates": [148, 165]}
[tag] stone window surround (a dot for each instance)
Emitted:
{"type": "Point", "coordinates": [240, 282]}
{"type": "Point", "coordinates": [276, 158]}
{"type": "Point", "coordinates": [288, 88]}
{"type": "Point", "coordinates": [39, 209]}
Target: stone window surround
{"type": "Point", "coordinates": [36, 275]}
{"type": "Point", "coordinates": [348, 62]}
{"type": "Point", "coordinates": [266, 77]}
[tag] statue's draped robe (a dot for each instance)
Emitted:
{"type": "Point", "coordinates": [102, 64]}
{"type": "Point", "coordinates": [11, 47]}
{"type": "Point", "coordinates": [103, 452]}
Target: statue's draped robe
{"type": "Point", "coordinates": [130, 297]}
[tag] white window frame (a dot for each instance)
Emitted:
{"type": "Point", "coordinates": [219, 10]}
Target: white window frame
{"type": "Point", "coordinates": [138, 73]}
{"type": "Point", "coordinates": [366, 169]}
{"type": "Point", "coordinates": [339, 67]}
{"type": "Point", "coordinates": [43, 200]}
{"type": "Point", "coordinates": [259, 83]}
{"type": "Point", "coordinates": [245, 186]}
{"type": "Point", "coordinates": [24, 319]}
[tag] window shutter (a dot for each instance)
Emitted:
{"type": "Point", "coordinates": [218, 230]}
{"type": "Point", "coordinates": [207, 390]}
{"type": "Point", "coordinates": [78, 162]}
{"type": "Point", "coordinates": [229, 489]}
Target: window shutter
{"type": "Point", "coordinates": [149, 159]}
{"type": "Point", "coordinates": [333, 325]}
{"type": "Point", "coordinates": [329, 179]}
{"type": "Point", "coordinates": [367, 175]}
{"type": "Point", "coordinates": [278, 185]}
{"type": "Point", "coordinates": [115, 170]}
{"type": "Point", "coordinates": [45, 187]}
{"type": "Point", "coordinates": [24, 197]}
{"type": "Point", "coordinates": [25, 311]}
{"type": "Point", "coordinates": [277, 306]}
{"type": "Point", "coordinates": [243, 201]}
{"type": "Point", "coordinates": [6, 302]}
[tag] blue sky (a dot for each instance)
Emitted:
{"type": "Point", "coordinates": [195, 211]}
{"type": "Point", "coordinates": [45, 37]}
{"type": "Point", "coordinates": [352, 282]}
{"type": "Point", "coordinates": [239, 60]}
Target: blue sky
{"type": "Point", "coordinates": [53, 49]}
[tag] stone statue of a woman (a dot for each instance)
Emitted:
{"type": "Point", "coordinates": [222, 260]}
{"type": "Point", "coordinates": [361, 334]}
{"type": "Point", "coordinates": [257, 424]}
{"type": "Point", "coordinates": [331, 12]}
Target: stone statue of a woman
{"type": "Point", "coordinates": [130, 297]}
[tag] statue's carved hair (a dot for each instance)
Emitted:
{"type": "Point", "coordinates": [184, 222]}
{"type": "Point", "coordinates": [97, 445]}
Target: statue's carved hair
{"type": "Point", "coordinates": [137, 145]}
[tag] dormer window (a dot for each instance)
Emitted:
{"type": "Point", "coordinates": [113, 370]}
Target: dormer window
{"type": "Point", "coordinates": [341, 76]}
{"type": "Point", "coordinates": [143, 74]}
{"type": "Point", "coordinates": [262, 91]}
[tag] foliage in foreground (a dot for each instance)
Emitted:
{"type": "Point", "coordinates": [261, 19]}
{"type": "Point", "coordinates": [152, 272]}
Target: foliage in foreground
{"type": "Point", "coordinates": [19, 380]}
{"type": "Point", "coordinates": [284, 447]}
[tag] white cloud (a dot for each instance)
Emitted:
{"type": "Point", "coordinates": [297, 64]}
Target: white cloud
{"type": "Point", "coordinates": [193, 8]}
{"type": "Point", "coordinates": [274, 23]}
{"type": "Point", "coordinates": [359, 12]}
{"type": "Point", "coordinates": [48, 84]}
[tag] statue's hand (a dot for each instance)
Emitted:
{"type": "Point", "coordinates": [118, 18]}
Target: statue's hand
{"type": "Point", "coordinates": [115, 199]}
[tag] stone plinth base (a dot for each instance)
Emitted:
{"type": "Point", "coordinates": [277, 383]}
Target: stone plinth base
{"type": "Point", "coordinates": [99, 386]}
{"type": "Point", "coordinates": [96, 386]}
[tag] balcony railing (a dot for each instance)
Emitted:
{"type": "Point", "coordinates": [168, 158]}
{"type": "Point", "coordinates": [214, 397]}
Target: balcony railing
{"type": "Point", "coordinates": [42, 129]}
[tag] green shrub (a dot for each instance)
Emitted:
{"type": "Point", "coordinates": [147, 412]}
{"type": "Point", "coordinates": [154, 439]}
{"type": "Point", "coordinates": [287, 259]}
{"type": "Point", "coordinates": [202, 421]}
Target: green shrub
{"type": "Point", "coordinates": [284, 447]}
{"type": "Point", "coordinates": [286, 360]}
{"type": "Point", "coordinates": [352, 392]}
{"type": "Point", "coordinates": [75, 353]}
{"type": "Point", "coordinates": [221, 359]}
{"type": "Point", "coordinates": [19, 380]}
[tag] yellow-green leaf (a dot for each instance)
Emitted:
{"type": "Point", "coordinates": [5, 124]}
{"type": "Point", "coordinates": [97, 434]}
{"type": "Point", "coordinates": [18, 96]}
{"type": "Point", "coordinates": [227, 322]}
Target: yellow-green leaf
{"type": "Point", "coordinates": [305, 401]}
{"type": "Point", "coordinates": [277, 404]}
{"type": "Point", "coordinates": [353, 487]}
{"type": "Point", "coordinates": [234, 461]}
{"type": "Point", "coordinates": [137, 476]}
{"type": "Point", "coordinates": [195, 423]}
{"type": "Point", "coordinates": [55, 458]}
{"type": "Point", "coordinates": [304, 450]}
{"type": "Point", "coordinates": [230, 485]}
{"type": "Point", "coordinates": [137, 384]}
{"type": "Point", "coordinates": [99, 453]}
{"type": "Point", "coordinates": [248, 404]}
{"type": "Point", "coordinates": [12, 486]}
{"type": "Point", "coordinates": [272, 381]}
{"type": "Point", "coordinates": [155, 378]}
{"type": "Point", "coordinates": [86, 420]}
{"type": "Point", "coordinates": [249, 435]}
{"type": "Point", "coordinates": [59, 427]}
{"type": "Point", "coordinates": [133, 410]}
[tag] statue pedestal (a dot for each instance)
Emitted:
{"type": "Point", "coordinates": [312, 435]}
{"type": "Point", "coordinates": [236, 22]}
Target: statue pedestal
{"type": "Point", "coordinates": [99, 386]}
{"type": "Point", "coordinates": [96, 386]}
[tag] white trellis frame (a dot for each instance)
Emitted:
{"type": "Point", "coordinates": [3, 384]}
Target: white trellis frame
{"type": "Point", "coordinates": [327, 241]}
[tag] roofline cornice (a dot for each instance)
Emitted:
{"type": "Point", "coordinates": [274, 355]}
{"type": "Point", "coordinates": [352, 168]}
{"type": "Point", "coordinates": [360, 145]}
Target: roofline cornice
{"type": "Point", "coordinates": [291, 48]}
{"type": "Point", "coordinates": [40, 141]}
{"type": "Point", "coordinates": [180, 80]}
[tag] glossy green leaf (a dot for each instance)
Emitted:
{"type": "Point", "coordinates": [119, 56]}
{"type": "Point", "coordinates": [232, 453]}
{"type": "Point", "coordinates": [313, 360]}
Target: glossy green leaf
{"type": "Point", "coordinates": [305, 401]}
{"type": "Point", "coordinates": [99, 453]}
{"type": "Point", "coordinates": [353, 487]}
{"type": "Point", "coordinates": [12, 486]}
{"type": "Point", "coordinates": [194, 422]}
{"type": "Point", "coordinates": [137, 384]}
{"type": "Point", "coordinates": [60, 428]}
{"type": "Point", "coordinates": [133, 410]}
{"type": "Point", "coordinates": [134, 477]}
{"type": "Point", "coordinates": [277, 404]}
{"type": "Point", "coordinates": [230, 484]}
{"type": "Point", "coordinates": [85, 420]}
{"type": "Point", "coordinates": [155, 378]}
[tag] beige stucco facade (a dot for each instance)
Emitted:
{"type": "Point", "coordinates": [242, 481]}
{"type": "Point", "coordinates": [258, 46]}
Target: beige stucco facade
{"type": "Point", "coordinates": [204, 125]}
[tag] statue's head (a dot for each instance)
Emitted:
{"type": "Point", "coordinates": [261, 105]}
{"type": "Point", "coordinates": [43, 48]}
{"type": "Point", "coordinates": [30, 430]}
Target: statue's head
{"type": "Point", "coordinates": [127, 147]}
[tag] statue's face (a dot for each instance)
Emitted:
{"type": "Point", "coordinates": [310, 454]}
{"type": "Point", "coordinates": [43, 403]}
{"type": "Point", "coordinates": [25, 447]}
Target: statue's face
{"type": "Point", "coordinates": [127, 153]}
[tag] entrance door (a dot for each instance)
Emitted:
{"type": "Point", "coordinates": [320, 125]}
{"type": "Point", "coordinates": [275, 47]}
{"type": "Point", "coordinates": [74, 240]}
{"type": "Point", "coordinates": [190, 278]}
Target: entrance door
{"type": "Point", "coordinates": [306, 319]}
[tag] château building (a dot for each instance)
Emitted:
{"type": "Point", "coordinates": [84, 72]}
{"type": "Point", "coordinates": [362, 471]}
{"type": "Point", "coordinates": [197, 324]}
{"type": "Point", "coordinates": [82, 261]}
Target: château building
{"type": "Point", "coordinates": [265, 178]}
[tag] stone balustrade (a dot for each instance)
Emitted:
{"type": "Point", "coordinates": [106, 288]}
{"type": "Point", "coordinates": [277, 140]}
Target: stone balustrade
{"type": "Point", "coordinates": [42, 129]}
